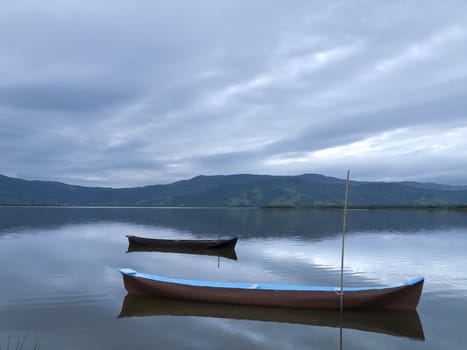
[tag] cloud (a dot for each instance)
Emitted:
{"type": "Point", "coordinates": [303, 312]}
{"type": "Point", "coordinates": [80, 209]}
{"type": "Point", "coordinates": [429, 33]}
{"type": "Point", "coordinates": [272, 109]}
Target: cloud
{"type": "Point", "coordinates": [58, 97]}
{"type": "Point", "coordinates": [123, 94]}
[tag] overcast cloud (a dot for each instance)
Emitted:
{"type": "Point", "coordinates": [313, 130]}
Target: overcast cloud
{"type": "Point", "coordinates": [127, 93]}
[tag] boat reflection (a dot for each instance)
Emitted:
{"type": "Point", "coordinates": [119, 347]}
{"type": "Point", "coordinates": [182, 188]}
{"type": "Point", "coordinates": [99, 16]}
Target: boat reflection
{"type": "Point", "coordinates": [400, 323]}
{"type": "Point", "coordinates": [228, 253]}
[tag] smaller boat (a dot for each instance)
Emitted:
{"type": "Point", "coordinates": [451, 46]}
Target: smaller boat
{"type": "Point", "coordinates": [403, 296]}
{"type": "Point", "coordinates": [183, 243]}
{"type": "Point", "coordinates": [399, 323]}
{"type": "Point", "coordinates": [215, 247]}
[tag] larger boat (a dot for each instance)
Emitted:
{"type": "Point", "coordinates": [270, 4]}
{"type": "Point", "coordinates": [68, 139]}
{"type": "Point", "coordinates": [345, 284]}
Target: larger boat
{"type": "Point", "coordinates": [403, 296]}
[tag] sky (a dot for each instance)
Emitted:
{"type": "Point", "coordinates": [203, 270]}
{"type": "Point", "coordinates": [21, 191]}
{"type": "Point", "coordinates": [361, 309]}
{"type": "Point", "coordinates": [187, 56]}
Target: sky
{"type": "Point", "coordinates": [121, 93]}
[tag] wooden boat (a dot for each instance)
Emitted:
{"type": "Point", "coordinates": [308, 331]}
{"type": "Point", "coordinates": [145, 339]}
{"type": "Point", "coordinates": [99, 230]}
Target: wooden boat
{"type": "Point", "coordinates": [398, 297]}
{"type": "Point", "coordinates": [183, 243]}
{"type": "Point", "coordinates": [400, 323]}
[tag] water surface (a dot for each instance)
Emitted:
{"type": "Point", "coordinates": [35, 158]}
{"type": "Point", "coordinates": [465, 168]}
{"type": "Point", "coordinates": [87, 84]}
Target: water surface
{"type": "Point", "coordinates": [61, 287]}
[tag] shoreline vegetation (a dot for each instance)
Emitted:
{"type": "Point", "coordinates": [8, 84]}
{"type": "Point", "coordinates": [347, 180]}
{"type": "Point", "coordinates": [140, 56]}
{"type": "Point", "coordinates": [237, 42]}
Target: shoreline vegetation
{"type": "Point", "coordinates": [264, 207]}
{"type": "Point", "coordinates": [369, 207]}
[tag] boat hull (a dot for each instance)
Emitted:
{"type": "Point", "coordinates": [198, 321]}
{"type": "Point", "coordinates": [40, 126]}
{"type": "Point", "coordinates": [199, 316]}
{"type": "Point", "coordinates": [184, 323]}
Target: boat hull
{"type": "Point", "coordinates": [401, 297]}
{"type": "Point", "coordinates": [183, 243]}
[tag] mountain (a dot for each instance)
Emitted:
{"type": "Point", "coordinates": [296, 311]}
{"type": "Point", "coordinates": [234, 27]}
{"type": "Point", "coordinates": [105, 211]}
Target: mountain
{"type": "Point", "coordinates": [308, 190]}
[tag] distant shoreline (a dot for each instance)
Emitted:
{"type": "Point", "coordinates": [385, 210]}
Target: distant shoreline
{"type": "Point", "coordinates": [372, 207]}
{"type": "Point", "coordinates": [266, 207]}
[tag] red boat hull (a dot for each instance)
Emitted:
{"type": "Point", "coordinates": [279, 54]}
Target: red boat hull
{"type": "Point", "coordinates": [402, 297]}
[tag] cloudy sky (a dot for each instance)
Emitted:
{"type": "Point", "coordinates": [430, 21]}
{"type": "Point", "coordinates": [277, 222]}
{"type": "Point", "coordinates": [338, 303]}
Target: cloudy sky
{"type": "Point", "coordinates": [126, 93]}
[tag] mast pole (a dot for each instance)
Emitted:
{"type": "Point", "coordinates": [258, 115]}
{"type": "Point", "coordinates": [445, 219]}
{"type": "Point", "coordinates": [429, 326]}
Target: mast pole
{"type": "Point", "coordinates": [344, 227]}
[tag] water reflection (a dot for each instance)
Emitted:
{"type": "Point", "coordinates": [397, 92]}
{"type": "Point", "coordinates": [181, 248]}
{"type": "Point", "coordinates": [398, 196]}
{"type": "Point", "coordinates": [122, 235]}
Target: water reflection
{"type": "Point", "coordinates": [397, 323]}
{"type": "Point", "coordinates": [245, 223]}
{"type": "Point", "coordinates": [386, 257]}
{"type": "Point", "coordinates": [223, 253]}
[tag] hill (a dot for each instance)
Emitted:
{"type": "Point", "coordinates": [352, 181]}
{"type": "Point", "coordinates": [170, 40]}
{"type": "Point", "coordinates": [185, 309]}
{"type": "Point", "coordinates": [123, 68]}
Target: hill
{"type": "Point", "coordinates": [242, 190]}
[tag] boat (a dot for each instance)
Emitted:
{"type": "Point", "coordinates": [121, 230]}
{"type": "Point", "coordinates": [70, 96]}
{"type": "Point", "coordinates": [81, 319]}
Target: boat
{"type": "Point", "coordinates": [403, 296]}
{"type": "Point", "coordinates": [228, 252]}
{"type": "Point", "coordinates": [400, 323]}
{"type": "Point", "coordinates": [183, 243]}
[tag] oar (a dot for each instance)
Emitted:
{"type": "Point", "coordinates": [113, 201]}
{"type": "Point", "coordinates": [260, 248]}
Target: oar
{"type": "Point", "coordinates": [344, 226]}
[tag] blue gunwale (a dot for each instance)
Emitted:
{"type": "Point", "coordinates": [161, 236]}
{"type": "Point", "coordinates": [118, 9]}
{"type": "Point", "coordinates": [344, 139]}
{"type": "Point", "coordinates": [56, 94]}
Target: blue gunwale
{"type": "Point", "coordinates": [261, 286]}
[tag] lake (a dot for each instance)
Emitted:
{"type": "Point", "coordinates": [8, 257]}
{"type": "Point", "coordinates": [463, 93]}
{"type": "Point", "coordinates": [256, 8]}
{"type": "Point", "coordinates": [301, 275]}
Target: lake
{"type": "Point", "coordinates": [61, 289]}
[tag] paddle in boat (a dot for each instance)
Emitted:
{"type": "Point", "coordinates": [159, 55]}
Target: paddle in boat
{"type": "Point", "coordinates": [403, 296]}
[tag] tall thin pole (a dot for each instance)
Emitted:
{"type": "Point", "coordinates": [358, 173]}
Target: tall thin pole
{"type": "Point", "coordinates": [344, 227]}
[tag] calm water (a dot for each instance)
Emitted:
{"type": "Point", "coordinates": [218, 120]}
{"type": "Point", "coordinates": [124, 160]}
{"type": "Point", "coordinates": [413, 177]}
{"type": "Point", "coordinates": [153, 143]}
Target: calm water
{"type": "Point", "coordinates": [60, 285]}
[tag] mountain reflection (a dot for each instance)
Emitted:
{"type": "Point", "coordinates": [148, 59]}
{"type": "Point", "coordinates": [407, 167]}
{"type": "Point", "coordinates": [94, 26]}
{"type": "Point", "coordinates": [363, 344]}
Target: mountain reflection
{"type": "Point", "coordinates": [245, 223]}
